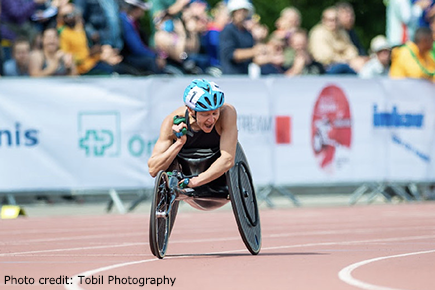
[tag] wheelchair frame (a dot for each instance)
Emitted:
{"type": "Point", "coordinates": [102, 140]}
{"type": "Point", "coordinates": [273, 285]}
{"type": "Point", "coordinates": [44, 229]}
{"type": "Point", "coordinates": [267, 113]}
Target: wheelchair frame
{"type": "Point", "coordinates": [167, 195]}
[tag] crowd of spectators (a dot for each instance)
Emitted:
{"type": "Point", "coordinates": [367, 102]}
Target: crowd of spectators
{"type": "Point", "coordinates": [103, 37]}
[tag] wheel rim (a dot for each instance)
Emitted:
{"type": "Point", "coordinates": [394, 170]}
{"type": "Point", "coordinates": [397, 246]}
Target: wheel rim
{"type": "Point", "coordinates": [160, 220]}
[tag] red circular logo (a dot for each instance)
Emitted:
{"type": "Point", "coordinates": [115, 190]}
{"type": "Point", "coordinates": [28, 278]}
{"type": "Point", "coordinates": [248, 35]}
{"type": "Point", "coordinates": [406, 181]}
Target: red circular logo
{"type": "Point", "coordinates": [331, 127]}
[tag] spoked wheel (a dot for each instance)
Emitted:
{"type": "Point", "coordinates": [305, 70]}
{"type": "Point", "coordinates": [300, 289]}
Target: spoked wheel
{"type": "Point", "coordinates": [244, 203]}
{"type": "Point", "coordinates": [160, 219]}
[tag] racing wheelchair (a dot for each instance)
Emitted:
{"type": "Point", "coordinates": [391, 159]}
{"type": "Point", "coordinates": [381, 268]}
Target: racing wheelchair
{"type": "Point", "coordinates": [235, 185]}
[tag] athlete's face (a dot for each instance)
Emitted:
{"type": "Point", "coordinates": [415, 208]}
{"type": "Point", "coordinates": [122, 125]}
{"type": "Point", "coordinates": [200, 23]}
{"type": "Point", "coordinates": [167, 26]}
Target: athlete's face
{"type": "Point", "coordinates": [207, 120]}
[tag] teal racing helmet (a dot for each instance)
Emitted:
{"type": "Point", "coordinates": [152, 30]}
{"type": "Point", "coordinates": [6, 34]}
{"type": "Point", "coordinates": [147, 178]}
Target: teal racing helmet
{"type": "Point", "coordinates": [202, 96]}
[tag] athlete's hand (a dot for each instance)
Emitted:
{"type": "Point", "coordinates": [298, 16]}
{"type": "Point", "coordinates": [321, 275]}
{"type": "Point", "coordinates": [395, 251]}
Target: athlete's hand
{"type": "Point", "coordinates": [188, 182]}
{"type": "Point", "coordinates": [184, 183]}
{"type": "Point", "coordinates": [177, 129]}
{"type": "Point", "coordinates": [193, 182]}
{"type": "Point", "coordinates": [180, 129]}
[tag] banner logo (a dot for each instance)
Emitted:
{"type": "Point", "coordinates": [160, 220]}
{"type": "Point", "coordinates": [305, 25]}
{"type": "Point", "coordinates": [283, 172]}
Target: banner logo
{"type": "Point", "coordinates": [331, 127]}
{"type": "Point", "coordinates": [395, 119]}
{"type": "Point", "coordinates": [99, 133]}
{"type": "Point", "coordinates": [18, 136]}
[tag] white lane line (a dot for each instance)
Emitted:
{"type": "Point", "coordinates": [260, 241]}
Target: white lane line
{"type": "Point", "coordinates": [73, 227]}
{"type": "Point", "coordinates": [112, 235]}
{"type": "Point", "coordinates": [137, 221]}
{"type": "Point", "coordinates": [206, 240]}
{"type": "Point", "coordinates": [357, 242]}
{"type": "Point", "coordinates": [72, 249]}
{"type": "Point", "coordinates": [346, 273]}
{"type": "Point", "coordinates": [60, 231]}
{"type": "Point", "coordinates": [129, 234]}
{"type": "Point", "coordinates": [79, 255]}
{"type": "Point", "coordinates": [113, 246]}
{"type": "Point", "coordinates": [76, 280]}
{"type": "Point", "coordinates": [349, 231]}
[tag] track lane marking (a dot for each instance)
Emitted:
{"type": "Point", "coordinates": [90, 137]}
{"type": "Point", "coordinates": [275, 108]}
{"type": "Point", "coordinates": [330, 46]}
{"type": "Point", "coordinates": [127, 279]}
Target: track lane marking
{"type": "Point", "coordinates": [72, 249]}
{"type": "Point", "coordinates": [206, 240]}
{"type": "Point", "coordinates": [120, 235]}
{"type": "Point", "coordinates": [311, 233]}
{"type": "Point", "coordinates": [346, 273]}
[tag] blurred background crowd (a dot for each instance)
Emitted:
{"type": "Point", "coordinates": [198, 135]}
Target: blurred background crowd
{"type": "Point", "coordinates": [192, 37]}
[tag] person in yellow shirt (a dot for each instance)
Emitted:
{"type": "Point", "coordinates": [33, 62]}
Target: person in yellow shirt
{"type": "Point", "coordinates": [73, 40]}
{"type": "Point", "coordinates": [413, 59]}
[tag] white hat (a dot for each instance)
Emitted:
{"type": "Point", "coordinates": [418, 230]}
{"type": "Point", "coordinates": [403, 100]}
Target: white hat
{"type": "Point", "coordinates": [139, 3]}
{"type": "Point", "coordinates": [379, 43]}
{"type": "Point", "coordinates": [234, 5]}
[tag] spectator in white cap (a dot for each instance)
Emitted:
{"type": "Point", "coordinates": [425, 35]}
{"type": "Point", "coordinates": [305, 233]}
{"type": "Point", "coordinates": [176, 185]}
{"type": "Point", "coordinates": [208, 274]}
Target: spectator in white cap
{"type": "Point", "coordinates": [140, 4]}
{"type": "Point", "coordinates": [234, 5]}
{"type": "Point", "coordinates": [379, 64]}
{"type": "Point", "coordinates": [237, 49]}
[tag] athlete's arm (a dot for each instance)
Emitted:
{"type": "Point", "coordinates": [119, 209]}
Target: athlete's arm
{"type": "Point", "coordinates": [228, 145]}
{"type": "Point", "coordinates": [166, 149]}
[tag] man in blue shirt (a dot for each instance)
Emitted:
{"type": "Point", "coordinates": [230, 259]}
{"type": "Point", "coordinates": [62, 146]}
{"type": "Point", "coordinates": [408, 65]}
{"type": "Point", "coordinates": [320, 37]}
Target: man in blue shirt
{"type": "Point", "coordinates": [237, 48]}
{"type": "Point", "coordinates": [19, 64]}
{"type": "Point", "coordinates": [136, 53]}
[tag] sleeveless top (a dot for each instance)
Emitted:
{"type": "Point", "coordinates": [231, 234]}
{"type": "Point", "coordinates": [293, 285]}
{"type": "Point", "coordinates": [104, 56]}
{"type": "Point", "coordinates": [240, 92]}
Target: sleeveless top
{"type": "Point", "coordinates": [202, 140]}
{"type": "Point", "coordinates": [61, 69]}
{"type": "Point", "coordinates": [197, 154]}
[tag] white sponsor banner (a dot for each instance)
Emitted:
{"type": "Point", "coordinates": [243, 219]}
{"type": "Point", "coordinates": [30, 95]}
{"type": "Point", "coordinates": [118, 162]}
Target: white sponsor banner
{"type": "Point", "coordinates": [407, 120]}
{"type": "Point", "coordinates": [331, 138]}
{"type": "Point", "coordinates": [60, 133]}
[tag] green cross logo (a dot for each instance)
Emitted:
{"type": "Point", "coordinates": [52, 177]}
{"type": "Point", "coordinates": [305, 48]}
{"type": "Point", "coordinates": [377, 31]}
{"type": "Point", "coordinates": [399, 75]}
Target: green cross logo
{"type": "Point", "coordinates": [95, 143]}
{"type": "Point", "coordinates": [99, 133]}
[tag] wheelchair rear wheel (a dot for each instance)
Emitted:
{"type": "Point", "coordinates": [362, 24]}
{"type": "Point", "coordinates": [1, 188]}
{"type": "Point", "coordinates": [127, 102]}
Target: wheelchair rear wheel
{"type": "Point", "coordinates": [244, 202]}
{"type": "Point", "coordinates": [160, 219]}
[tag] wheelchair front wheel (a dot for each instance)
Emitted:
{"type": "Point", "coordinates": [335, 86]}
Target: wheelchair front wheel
{"type": "Point", "coordinates": [160, 219]}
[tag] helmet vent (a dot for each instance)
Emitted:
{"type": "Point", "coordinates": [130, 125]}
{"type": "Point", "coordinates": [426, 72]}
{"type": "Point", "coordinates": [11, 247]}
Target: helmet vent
{"type": "Point", "coordinates": [202, 105]}
{"type": "Point", "coordinates": [205, 88]}
{"type": "Point", "coordinates": [208, 101]}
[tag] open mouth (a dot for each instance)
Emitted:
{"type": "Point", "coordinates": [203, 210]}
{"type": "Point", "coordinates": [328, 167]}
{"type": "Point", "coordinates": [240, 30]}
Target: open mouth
{"type": "Point", "coordinates": [209, 127]}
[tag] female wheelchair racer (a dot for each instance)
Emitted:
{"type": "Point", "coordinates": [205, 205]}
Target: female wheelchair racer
{"type": "Point", "coordinates": [197, 159]}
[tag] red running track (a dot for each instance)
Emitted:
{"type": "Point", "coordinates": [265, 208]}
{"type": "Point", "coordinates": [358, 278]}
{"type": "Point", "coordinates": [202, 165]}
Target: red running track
{"type": "Point", "coordinates": [377, 247]}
